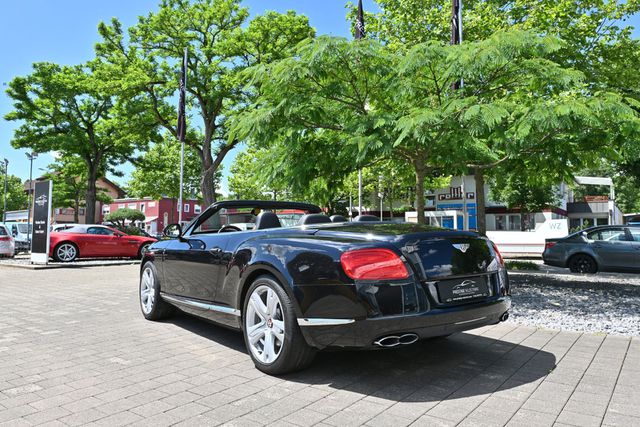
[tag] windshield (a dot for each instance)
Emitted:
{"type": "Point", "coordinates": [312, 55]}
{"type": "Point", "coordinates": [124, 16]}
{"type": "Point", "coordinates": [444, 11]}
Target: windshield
{"type": "Point", "coordinates": [245, 218]}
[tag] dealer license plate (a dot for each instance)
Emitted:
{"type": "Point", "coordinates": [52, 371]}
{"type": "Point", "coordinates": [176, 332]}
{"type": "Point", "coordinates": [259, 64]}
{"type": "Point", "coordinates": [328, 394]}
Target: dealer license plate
{"type": "Point", "coordinates": [463, 290]}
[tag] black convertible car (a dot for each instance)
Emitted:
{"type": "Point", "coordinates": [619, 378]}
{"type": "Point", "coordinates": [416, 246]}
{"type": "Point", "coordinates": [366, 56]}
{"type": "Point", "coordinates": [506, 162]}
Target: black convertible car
{"type": "Point", "coordinates": [296, 281]}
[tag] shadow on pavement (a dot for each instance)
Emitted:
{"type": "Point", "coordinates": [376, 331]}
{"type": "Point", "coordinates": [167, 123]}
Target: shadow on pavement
{"type": "Point", "coordinates": [461, 366]}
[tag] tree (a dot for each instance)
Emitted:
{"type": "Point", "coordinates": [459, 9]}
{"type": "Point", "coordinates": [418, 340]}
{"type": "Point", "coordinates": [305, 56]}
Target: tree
{"type": "Point", "coordinates": [246, 180]}
{"type": "Point", "coordinates": [594, 39]}
{"type": "Point", "coordinates": [16, 196]}
{"type": "Point", "coordinates": [76, 111]}
{"type": "Point", "coordinates": [157, 172]}
{"type": "Point", "coordinates": [530, 193]}
{"type": "Point", "coordinates": [121, 216]}
{"type": "Point", "coordinates": [69, 176]}
{"type": "Point", "coordinates": [361, 102]}
{"type": "Point", "coordinates": [219, 46]}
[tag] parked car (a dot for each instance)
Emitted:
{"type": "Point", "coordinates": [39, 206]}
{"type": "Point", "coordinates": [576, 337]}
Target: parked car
{"type": "Point", "coordinates": [96, 241]}
{"type": "Point", "coordinates": [20, 232]}
{"type": "Point", "coordinates": [293, 290]}
{"type": "Point", "coordinates": [603, 248]}
{"type": "Point", "coordinates": [7, 242]}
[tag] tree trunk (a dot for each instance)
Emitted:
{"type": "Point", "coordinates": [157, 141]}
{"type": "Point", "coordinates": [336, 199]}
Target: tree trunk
{"type": "Point", "coordinates": [420, 171]}
{"type": "Point", "coordinates": [76, 209]}
{"type": "Point", "coordinates": [481, 217]}
{"type": "Point", "coordinates": [90, 200]}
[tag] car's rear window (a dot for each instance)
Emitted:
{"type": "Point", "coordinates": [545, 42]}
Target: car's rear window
{"type": "Point", "coordinates": [3, 231]}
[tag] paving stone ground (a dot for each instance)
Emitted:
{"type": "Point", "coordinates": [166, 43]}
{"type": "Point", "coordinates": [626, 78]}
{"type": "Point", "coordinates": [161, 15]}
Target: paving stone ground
{"type": "Point", "coordinates": [75, 350]}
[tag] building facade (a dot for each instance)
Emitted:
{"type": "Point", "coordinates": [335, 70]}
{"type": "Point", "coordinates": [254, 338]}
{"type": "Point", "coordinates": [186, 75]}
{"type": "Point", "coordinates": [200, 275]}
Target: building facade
{"type": "Point", "coordinates": [512, 230]}
{"type": "Point", "coordinates": [65, 215]}
{"type": "Point", "coordinates": [158, 212]}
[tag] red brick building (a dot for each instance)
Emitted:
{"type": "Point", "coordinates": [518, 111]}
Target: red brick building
{"type": "Point", "coordinates": [159, 213]}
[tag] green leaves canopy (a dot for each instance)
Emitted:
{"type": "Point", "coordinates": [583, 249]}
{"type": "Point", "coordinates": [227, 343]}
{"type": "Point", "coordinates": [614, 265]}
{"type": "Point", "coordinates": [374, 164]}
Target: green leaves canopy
{"type": "Point", "coordinates": [219, 46]}
{"type": "Point", "coordinates": [77, 111]}
{"type": "Point", "coordinates": [337, 105]}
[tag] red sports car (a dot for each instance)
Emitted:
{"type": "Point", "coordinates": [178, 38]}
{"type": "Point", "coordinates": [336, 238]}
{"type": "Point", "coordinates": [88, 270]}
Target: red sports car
{"type": "Point", "coordinates": [96, 241]}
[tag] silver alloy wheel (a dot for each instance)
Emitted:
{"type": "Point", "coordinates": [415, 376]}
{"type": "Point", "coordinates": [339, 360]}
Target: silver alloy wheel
{"type": "Point", "coordinates": [264, 324]}
{"type": "Point", "coordinates": [147, 290]}
{"type": "Point", "coordinates": [66, 252]}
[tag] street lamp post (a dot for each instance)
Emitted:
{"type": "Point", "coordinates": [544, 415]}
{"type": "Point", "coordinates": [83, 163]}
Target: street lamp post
{"type": "Point", "coordinates": [6, 175]}
{"type": "Point", "coordinates": [31, 156]}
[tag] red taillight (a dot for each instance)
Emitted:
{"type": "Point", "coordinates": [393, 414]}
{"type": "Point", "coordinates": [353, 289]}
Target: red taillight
{"type": "Point", "coordinates": [549, 245]}
{"type": "Point", "coordinates": [498, 254]}
{"type": "Point", "coordinates": [5, 238]}
{"type": "Point", "coordinates": [373, 264]}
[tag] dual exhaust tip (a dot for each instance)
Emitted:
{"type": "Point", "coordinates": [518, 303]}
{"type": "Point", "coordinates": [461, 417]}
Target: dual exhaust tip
{"type": "Point", "coordinates": [396, 340]}
{"type": "Point", "coordinates": [410, 338]}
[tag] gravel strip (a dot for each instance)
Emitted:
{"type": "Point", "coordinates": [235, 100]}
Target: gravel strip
{"type": "Point", "coordinates": [607, 303]}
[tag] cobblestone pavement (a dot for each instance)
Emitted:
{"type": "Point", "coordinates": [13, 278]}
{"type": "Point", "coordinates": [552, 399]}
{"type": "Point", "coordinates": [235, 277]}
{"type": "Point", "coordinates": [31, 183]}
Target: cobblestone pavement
{"type": "Point", "coordinates": [74, 350]}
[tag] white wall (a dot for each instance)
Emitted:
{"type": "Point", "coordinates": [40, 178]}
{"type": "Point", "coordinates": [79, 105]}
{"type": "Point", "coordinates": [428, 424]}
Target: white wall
{"type": "Point", "coordinates": [529, 242]}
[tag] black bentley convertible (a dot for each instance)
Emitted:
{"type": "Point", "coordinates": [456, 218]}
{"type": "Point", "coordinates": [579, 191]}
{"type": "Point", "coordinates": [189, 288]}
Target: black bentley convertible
{"type": "Point", "coordinates": [296, 281]}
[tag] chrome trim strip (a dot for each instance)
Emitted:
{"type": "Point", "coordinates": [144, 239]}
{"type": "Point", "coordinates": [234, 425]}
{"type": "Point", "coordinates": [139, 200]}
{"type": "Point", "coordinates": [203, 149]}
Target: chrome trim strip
{"type": "Point", "coordinates": [469, 321]}
{"type": "Point", "coordinates": [323, 321]}
{"type": "Point", "coordinates": [201, 305]}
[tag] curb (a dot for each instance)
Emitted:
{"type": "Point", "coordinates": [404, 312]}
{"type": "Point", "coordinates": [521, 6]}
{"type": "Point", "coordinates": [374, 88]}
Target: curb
{"type": "Point", "coordinates": [70, 265]}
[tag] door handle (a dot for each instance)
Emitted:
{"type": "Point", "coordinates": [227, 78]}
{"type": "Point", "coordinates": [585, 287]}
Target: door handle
{"type": "Point", "coordinates": [215, 251]}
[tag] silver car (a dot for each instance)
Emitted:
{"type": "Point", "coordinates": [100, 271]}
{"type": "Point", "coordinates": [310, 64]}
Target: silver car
{"type": "Point", "coordinates": [606, 248]}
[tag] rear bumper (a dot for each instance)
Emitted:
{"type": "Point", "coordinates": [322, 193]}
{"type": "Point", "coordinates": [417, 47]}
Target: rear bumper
{"type": "Point", "coordinates": [350, 333]}
{"type": "Point", "coordinates": [549, 259]}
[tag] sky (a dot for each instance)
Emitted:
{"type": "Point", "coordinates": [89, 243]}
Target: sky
{"type": "Point", "coordinates": [65, 31]}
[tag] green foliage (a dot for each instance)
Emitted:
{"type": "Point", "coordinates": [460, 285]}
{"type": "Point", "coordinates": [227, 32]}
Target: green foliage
{"type": "Point", "coordinates": [529, 192]}
{"type": "Point", "coordinates": [121, 216]}
{"type": "Point", "coordinates": [16, 196]}
{"type": "Point", "coordinates": [338, 105]}
{"type": "Point", "coordinates": [69, 176]}
{"type": "Point", "coordinates": [246, 181]}
{"type": "Point", "coordinates": [157, 172]}
{"type": "Point", "coordinates": [595, 38]}
{"type": "Point", "coordinates": [221, 43]}
{"type": "Point", "coordinates": [76, 111]}
{"type": "Point", "coordinates": [518, 265]}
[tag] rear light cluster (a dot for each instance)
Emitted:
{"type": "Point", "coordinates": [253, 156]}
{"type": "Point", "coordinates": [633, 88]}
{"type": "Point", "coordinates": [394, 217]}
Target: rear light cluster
{"type": "Point", "coordinates": [5, 238]}
{"type": "Point", "coordinates": [373, 264]}
{"type": "Point", "coordinates": [498, 254]}
{"type": "Point", "coordinates": [549, 245]}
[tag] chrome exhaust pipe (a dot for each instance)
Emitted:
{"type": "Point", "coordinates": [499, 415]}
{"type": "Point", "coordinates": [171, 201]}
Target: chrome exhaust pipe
{"type": "Point", "coordinates": [504, 316]}
{"type": "Point", "coordinates": [396, 340]}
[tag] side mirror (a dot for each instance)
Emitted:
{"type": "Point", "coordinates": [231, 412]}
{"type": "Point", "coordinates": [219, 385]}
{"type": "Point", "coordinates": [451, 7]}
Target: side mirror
{"type": "Point", "coordinates": [583, 234]}
{"type": "Point", "coordinates": [172, 231]}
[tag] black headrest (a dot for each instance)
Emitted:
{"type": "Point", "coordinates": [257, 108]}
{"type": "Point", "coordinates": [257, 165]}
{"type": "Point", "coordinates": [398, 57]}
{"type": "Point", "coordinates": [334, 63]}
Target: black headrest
{"type": "Point", "coordinates": [366, 218]}
{"type": "Point", "coordinates": [267, 220]}
{"type": "Point", "coordinates": [314, 219]}
{"type": "Point", "coordinates": [338, 218]}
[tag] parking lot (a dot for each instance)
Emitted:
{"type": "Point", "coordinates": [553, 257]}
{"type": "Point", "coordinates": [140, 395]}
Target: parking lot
{"type": "Point", "coordinates": [75, 350]}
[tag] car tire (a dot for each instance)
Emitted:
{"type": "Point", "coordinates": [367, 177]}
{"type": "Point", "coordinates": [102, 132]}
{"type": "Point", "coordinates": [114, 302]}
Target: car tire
{"type": "Point", "coordinates": [582, 263]}
{"type": "Point", "coordinates": [66, 252]}
{"type": "Point", "coordinates": [152, 305]}
{"type": "Point", "coordinates": [282, 349]}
